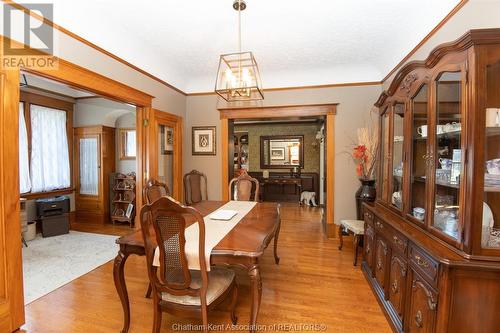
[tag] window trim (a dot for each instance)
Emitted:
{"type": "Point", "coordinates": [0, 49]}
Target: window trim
{"type": "Point", "coordinates": [121, 143]}
{"type": "Point", "coordinates": [29, 99]}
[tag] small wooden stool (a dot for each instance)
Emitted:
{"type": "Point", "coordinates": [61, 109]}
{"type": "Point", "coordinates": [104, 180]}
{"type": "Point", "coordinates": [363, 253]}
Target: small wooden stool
{"type": "Point", "coordinates": [357, 228]}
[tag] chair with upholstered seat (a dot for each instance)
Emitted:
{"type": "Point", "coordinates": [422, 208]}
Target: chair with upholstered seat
{"type": "Point", "coordinates": [195, 187]}
{"type": "Point", "coordinates": [240, 188]}
{"type": "Point", "coordinates": [176, 288]}
{"type": "Point", "coordinates": [154, 190]}
{"type": "Point", "coordinates": [357, 228]}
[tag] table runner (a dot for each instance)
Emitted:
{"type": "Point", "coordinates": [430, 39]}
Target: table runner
{"type": "Point", "coordinates": [215, 231]}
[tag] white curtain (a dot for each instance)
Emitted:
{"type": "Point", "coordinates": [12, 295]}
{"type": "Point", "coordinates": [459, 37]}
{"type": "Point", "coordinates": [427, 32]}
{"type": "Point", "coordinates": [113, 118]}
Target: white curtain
{"type": "Point", "coordinates": [24, 167]}
{"type": "Point", "coordinates": [89, 171]}
{"type": "Point", "coordinates": [130, 149]}
{"type": "Point", "coordinates": [49, 149]}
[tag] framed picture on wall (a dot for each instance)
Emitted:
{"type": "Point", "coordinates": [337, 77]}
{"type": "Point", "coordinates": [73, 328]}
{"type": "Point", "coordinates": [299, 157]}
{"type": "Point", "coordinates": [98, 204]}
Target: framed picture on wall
{"type": "Point", "coordinates": [203, 140]}
{"type": "Point", "coordinates": [278, 154]}
{"type": "Point", "coordinates": [167, 140]}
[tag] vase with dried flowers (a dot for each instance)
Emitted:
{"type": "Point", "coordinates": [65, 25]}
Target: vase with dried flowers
{"type": "Point", "coordinates": [364, 153]}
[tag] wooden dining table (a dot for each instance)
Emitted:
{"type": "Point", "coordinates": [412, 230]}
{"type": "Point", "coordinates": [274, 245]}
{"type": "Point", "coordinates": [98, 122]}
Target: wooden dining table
{"type": "Point", "coordinates": [242, 247]}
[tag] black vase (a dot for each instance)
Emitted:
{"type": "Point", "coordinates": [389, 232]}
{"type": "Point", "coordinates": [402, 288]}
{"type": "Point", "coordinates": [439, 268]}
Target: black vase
{"type": "Point", "coordinates": [366, 193]}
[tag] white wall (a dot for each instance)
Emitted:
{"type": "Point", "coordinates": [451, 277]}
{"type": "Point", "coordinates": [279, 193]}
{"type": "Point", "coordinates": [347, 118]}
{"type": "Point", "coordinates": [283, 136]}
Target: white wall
{"type": "Point", "coordinates": [475, 14]}
{"type": "Point", "coordinates": [353, 112]}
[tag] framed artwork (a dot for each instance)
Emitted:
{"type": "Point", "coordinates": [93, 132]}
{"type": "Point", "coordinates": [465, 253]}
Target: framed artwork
{"type": "Point", "coordinates": [203, 140]}
{"type": "Point", "coordinates": [277, 154]}
{"type": "Point", "coordinates": [167, 140]}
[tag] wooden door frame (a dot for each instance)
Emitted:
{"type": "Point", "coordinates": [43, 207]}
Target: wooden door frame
{"type": "Point", "coordinates": [175, 122]}
{"type": "Point", "coordinates": [78, 77]}
{"type": "Point", "coordinates": [312, 110]}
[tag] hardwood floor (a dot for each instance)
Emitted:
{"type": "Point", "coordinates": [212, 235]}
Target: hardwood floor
{"type": "Point", "coordinates": [315, 283]}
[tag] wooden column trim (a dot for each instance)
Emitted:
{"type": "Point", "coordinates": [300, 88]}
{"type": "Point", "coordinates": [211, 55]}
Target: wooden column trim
{"type": "Point", "coordinates": [164, 118]}
{"type": "Point", "coordinates": [225, 158]}
{"type": "Point", "coordinates": [11, 279]}
{"type": "Point", "coordinates": [330, 174]}
{"type": "Point", "coordinates": [310, 110]}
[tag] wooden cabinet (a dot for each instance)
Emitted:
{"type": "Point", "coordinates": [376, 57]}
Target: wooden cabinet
{"type": "Point", "coordinates": [381, 252]}
{"type": "Point", "coordinates": [397, 284]}
{"type": "Point", "coordinates": [369, 245]}
{"type": "Point", "coordinates": [435, 224]}
{"type": "Point", "coordinates": [94, 161]}
{"type": "Point", "coordinates": [423, 304]}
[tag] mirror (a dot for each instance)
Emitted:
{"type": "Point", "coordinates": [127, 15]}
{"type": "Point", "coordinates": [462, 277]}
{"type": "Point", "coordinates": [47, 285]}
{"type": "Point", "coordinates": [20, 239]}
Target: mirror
{"type": "Point", "coordinates": [127, 144]}
{"type": "Point", "coordinates": [281, 151]}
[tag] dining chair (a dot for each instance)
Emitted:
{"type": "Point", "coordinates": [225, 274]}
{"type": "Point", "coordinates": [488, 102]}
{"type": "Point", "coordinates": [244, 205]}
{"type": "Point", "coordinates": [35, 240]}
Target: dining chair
{"type": "Point", "coordinates": [195, 187]}
{"type": "Point", "coordinates": [177, 289]}
{"type": "Point", "coordinates": [240, 188]}
{"type": "Point", "coordinates": [154, 190]}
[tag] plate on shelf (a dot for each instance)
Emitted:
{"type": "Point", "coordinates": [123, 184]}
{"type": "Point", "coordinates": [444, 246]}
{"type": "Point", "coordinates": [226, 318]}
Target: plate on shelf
{"type": "Point", "coordinates": [488, 220]}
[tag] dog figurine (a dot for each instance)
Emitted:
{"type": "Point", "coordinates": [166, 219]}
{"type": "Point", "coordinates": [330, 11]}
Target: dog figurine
{"type": "Point", "coordinates": [308, 198]}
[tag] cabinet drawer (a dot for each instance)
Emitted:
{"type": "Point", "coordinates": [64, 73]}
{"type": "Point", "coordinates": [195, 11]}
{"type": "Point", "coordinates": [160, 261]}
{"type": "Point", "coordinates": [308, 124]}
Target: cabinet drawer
{"type": "Point", "coordinates": [398, 242]}
{"type": "Point", "coordinates": [368, 216]}
{"type": "Point", "coordinates": [424, 264]}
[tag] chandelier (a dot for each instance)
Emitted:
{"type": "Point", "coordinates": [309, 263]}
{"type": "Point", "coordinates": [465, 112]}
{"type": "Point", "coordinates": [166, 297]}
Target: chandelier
{"type": "Point", "coordinates": [238, 77]}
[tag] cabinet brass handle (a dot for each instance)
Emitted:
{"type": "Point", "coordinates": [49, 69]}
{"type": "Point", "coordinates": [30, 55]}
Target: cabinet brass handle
{"type": "Point", "coordinates": [397, 241]}
{"type": "Point", "coordinates": [379, 225]}
{"type": "Point", "coordinates": [379, 264]}
{"type": "Point", "coordinates": [418, 319]}
{"type": "Point", "coordinates": [421, 262]}
{"type": "Point", "coordinates": [394, 287]}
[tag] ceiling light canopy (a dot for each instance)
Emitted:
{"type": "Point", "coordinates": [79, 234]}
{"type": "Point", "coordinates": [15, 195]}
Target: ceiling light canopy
{"type": "Point", "coordinates": [238, 77]}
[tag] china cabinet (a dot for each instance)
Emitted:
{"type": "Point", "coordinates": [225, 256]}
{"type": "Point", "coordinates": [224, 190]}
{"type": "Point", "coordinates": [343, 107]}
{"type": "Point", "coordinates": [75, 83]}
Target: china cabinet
{"type": "Point", "coordinates": [432, 244]}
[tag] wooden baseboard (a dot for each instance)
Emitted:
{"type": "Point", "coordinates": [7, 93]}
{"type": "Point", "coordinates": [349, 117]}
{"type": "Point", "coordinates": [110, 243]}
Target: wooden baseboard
{"type": "Point", "coordinates": [90, 217]}
{"type": "Point", "coordinates": [331, 230]}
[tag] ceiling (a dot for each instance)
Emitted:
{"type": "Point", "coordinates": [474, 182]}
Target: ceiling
{"type": "Point", "coordinates": [296, 43]}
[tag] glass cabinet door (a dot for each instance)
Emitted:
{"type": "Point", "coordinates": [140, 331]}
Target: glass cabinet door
{"type": "Point", "coordinates": [490, 238]}
{"type": "Point", "coordinates": [384, 155]}
{"type": "Point", "coordinates": [396, 185]}
{"type": "Point", "coordinates": [447, 153]}
{"type": "Point", "coordinates": [420, 157]}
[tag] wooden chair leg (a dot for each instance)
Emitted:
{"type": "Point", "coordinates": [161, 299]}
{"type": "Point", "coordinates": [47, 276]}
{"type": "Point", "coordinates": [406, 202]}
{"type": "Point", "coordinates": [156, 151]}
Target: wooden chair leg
{"type": "Point", "coordinates": [148, 292]}
{"type": "Point", "coordinates": [356, 246]}
{"type": "Point", "coordinates": [234, 300]}
{"type": "Point", "coordinates": [204, 316]}
{"type": "Point", "coordinates": [150, 288]}
{"type": "Point", "coordinates": [157, 316]}
{"type": "Point", "coordinates": [341, 240]}
{"type": "Point", "coordinates": [276, 237]}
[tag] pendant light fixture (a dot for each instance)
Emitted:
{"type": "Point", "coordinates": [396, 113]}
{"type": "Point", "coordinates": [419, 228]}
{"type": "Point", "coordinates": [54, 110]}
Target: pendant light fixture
{"type": "Point", "coordinates": [238, 77]}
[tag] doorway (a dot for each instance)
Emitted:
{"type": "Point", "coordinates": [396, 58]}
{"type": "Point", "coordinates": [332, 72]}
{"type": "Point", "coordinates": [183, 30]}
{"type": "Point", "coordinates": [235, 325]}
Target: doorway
{"type": "Point", "coordinates": [328, 111]}
{"type": "Point", "coordinates": [11, 285]}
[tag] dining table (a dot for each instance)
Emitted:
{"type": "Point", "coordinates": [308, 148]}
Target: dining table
{"type": "Point", "coordinates": [242, 247]}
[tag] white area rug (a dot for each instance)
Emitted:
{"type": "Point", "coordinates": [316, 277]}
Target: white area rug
{"type": "Point", "coordinates": [49, 263]}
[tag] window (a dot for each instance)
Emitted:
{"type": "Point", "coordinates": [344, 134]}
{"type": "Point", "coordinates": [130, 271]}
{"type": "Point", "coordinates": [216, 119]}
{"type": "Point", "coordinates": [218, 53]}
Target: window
{"type": "Point", "coordinates": [50, 168]}
{"type": "Point", "coordinates": [127, 144]}
{"type": "Point", "coordinates": [45, 145]}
